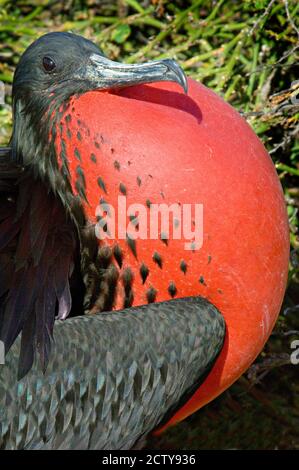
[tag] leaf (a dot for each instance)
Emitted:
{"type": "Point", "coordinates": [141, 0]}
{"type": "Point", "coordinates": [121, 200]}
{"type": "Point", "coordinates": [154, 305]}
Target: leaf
{"type": "Point", "coordinates": [121, 33]}
{"type": "Point", "coordinates": [260, 4]}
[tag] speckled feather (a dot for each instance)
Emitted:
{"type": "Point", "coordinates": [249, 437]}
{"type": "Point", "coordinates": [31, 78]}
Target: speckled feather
{"type": "Point", "coordinates": [111, 377]}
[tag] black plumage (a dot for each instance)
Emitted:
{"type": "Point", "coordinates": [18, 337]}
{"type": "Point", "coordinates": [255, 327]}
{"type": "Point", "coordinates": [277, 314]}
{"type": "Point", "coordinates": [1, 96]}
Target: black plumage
{"type": "Point", "coordinates": [37, 261]}
{"type": "Point", "coordinates": [111, 378]}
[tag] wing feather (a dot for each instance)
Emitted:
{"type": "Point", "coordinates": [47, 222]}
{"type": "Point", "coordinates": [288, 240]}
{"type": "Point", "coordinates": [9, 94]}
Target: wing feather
{"type": "Point", "coordinates": [117, 374]}
{"type": "Point", "coordinates": [38, 245]}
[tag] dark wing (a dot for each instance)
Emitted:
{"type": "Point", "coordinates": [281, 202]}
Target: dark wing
{"type": "Point", "coordinates": [37, 250]}
{"type": "Point", "coordinates": [111, 377]}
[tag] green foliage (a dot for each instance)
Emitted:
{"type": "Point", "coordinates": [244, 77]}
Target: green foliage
{"type": "Point", "coordinates": [121, 33]}
{"type": "Point", "coordinates": [248, 53]}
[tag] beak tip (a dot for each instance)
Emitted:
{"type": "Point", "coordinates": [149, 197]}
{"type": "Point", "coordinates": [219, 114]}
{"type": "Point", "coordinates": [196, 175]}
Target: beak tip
{"type": "Point", "coordinates": [178, 73]}
{"type": "Point", "coordinates": [185, 86]}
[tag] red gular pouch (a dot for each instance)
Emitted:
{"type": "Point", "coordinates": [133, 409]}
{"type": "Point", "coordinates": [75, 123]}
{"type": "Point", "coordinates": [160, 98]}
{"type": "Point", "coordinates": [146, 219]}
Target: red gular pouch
{"type": "Point", "coordinates": [147, 145]}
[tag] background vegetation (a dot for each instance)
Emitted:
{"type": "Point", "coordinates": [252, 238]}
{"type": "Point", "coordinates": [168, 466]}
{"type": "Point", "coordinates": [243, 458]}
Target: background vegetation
{"type": "Point", "coordinates": [248, 53]}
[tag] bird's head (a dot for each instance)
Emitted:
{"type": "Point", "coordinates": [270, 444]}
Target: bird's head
{"type": "Point", "coordinates": [56, 67]}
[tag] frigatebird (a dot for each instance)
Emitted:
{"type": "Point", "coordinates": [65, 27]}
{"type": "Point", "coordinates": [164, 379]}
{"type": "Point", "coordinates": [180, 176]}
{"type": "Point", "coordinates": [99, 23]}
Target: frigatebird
{"type": "Point", "coordinates": [110, 376]}
{"type": "Point", "coordinates": [44, 225]}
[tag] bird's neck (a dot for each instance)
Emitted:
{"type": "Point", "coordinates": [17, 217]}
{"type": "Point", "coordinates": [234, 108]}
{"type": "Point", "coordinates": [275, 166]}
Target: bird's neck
{"type": "Point", "coordinates": [33, 143]}
{"type": "Point", "coordinates": [34, 147]}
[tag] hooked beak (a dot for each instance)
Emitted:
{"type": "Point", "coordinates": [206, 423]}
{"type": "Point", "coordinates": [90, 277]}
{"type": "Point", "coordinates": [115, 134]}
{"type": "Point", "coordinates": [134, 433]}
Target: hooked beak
{"type": "Point", "coordinates": [105, 73]}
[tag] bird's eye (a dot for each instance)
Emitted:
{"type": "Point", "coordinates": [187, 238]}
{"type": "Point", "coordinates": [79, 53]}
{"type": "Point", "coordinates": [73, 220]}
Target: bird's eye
{"type": "Point", "coordinates": [48, 64]}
